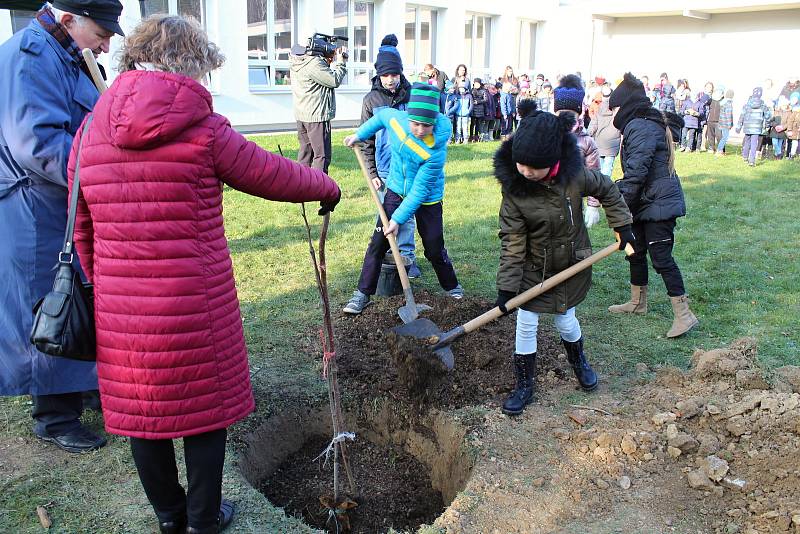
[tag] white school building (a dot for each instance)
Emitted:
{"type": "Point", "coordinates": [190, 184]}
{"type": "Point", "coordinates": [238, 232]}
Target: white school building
{"type": "Point", "coordinates": [736, 43]}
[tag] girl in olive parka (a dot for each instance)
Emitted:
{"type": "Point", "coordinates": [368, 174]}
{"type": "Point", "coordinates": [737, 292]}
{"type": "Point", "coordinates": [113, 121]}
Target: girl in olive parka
{"type": "Point", "coordinates": [542, 232]}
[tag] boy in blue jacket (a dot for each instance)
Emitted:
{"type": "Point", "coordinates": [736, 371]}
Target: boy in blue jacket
{"type": "Point", "coordinates": [415, 187]}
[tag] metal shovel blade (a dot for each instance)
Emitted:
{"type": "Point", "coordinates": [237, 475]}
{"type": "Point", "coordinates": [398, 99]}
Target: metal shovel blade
{"type": "Point", "coordinates": [427, 330]}
{"type": "Point", "coordinates": [410, 312]}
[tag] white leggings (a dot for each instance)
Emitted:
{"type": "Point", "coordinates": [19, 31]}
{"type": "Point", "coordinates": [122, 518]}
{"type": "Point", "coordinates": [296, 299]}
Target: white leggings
{"type": "Point", "coordinates": [528, 324]}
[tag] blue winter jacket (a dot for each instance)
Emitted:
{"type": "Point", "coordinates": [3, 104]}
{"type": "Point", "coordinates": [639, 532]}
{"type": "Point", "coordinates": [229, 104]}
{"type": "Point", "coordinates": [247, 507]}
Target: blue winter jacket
{"type": "Point", "coordinates": [44, 96]}
{"type": "Point", "coordinates": [465, 105]}
{"type": "Point", "coordinates": [508, 104]}
{"type": "Point", "coordinates": [417, 169]}
{"type": "Point", "coordinates": [452, 104]}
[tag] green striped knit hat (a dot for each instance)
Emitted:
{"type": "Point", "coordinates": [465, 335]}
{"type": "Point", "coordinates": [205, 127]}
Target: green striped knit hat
{"type": "Point", "coordinates": [424, 103]}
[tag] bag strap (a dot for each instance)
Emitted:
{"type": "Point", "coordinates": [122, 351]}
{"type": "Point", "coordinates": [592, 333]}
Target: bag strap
{"type": "Point", "coordinates": [65, 256]}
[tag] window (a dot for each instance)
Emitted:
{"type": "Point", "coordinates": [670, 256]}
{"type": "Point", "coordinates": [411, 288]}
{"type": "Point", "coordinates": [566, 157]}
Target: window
{"type": "Point", "coordinates": [355, 20]}
{"type": "Point", "coordinates": [271, 30]}
{"type": "Point", "coordinates": [527, 45]}
{"type": "Point", "coordinates": [477, 39]}
{"type": "Point", "coordinates": [186, 8]}
{"type": "Point", "coordinates": [420, 38]}
{"type": "Point", "coordinates": [20, 19]}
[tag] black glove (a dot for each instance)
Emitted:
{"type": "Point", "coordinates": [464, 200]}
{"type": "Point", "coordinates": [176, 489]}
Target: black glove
{"type": "Point", "coordinates": [502, 298]}
{"type": "Point", "coordinates": [329, 206]}
{"type": "Point", "coordinates": [625, 236]}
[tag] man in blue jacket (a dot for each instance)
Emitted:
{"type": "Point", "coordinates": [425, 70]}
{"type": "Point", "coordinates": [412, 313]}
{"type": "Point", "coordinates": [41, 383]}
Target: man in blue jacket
{"type": "Point", "coordinates": [415, 186]}
{"type": "Point", "coordinates": [45, 92]}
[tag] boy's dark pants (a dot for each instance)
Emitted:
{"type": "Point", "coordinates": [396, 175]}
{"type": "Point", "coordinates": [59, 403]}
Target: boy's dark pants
{"type": "Point", "coordinates": [315, 144]}
{"type": "Point", "coordinates": [431, 230]}
{"type": "Point", "coordinates": [713, 135]}
{"type": "Point", "coordinates": [657, 239]}
{"type": "Point", "coordinates": [205, 455]}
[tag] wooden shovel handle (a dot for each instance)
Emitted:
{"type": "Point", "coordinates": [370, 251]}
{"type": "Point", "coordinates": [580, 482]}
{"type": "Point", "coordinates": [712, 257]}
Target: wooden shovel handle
{"type": "Point", "coordinates": [545, 286]}
{"type": "Point", "coordinates": [91, 62]}
{"type": "Point", "coordinates": [398, 260]}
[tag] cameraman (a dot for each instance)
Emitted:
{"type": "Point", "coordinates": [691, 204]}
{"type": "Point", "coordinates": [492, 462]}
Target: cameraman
{"type": "Point", "coordinates": [314, 77]}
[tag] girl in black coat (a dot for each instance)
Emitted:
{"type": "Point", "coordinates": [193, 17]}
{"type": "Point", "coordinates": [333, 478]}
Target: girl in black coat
{"type": "Point", "coordinates": [653, 192]}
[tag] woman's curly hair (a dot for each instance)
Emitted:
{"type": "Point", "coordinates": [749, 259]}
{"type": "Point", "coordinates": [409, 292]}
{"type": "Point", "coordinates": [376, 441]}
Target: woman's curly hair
{"type": "Point", "coordinates": [172, 44]}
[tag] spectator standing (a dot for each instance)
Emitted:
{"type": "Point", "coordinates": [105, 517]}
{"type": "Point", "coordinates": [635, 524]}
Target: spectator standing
{"type": "Point", "coordinates": [713, 133]}
{"type": "Point", "coordinates": [544, 99]}
{"type": "Point", "coordinates": [691, 122]}
{"type": "Point", "coordinates": [605, 134]}
{"type": "Point", "coordinates": [461, 79]}
{"type": "Point", "coordinates": [753, 120]}
{"type": "Point", "coordinates": [778, 130]}
{"type": "Point", "coordinates": [463, 114]}
{"type": "Point", "coordinates": [666, 94]}
{"type": "Point", "coordinates": [793, 126]}
{"type": "Point", "coordinates": [725, 121]}
{"type": "Point", "coordinates": [480, 103]}
{"type": "Point", "coordinates": [171, 354]}
{"type": "Point", "coordinates": [438, 79]}
{"type": "Point", "coordinates": [45, 92]}
{"type": "Point", "coordinates": [491, 110]}
{"type": "Point", "coordinates": [314, 80]}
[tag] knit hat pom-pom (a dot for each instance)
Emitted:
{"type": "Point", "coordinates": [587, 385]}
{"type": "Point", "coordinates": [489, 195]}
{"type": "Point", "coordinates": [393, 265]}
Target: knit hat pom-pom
{"type": "Point", "coordinates": [389, 40]}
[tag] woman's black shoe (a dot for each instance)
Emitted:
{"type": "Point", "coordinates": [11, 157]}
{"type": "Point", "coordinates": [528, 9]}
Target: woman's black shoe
{"type": "Point", "coordinates": [525, 371]}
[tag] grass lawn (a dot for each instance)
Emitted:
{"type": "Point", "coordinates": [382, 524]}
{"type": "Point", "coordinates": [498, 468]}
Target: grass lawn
{"type": "Point", "coordinates": [737, 248]}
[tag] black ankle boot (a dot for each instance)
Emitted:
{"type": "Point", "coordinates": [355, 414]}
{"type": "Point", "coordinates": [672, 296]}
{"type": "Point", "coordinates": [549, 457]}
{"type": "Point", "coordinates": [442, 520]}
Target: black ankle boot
{"type": "Point", "coordinates": [525, 371]}
{"type": "Point", "coordinates": [226, 511]}
{"type": "Point", "coordinates": [172, 527]}
{"type": "Point", "coordinates": [577, 359]}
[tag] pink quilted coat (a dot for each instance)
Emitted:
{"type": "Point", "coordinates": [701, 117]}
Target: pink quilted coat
{"type": "Point", "coordinates": [171, 357]}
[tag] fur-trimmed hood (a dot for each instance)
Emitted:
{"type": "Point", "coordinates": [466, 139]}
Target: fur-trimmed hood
{"type": "Point", "coordinates": [505, 169]}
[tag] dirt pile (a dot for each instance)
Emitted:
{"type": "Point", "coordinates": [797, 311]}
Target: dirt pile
{"type": "Point", "coordinates": [482, 359]}
{"type": "Point", "coordinates": [733, 437]}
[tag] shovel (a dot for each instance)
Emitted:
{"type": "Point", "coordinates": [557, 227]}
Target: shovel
{"type": "Point", "coordinates": [440, 341]}
{"type": "Point", "coordinates": [411, 310]}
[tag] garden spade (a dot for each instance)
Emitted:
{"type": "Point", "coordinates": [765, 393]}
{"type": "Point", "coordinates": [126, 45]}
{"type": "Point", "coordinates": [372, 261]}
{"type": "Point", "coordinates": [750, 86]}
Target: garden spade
{"type": "Point", "coordinates": [411, 310]}
{"type": "Point", "coordinates": [440, 342]}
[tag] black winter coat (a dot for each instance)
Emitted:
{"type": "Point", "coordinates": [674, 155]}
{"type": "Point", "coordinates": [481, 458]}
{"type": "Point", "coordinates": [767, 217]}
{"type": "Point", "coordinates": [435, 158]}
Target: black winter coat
{"type": "Point", "coordinates": [378, 98]}
{"type": "Point", "coordinates": [651, 191]}
{"type": "Point", "coordinates": [480, 99]}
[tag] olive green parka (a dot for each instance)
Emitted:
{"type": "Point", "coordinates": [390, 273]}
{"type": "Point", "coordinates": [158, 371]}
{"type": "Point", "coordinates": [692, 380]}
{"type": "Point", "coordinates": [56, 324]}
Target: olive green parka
{"type": "Point", "coordinates": [542, 230]}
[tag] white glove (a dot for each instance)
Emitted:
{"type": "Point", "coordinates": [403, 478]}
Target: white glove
{"type": "Point", "coordinates": [591, 216]}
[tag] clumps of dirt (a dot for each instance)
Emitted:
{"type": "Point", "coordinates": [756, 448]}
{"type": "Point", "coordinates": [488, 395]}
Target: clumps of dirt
{"type": "Point", "coordinates": [482, 359]}
{"type": "Point", "coordinates": [418, 368]}
{"type": "Point", "coordinates": [395, 487]}
{"type": "Point", "coordinates": [721, 434]}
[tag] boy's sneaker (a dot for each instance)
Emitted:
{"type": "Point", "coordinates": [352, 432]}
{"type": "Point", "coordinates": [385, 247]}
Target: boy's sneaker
{"type": "Point", "coordinates": [357, 303]}
{"type": "Point", "coordinates": [457, 292]}
{"type": "Point", "coordinates": [413, 270]}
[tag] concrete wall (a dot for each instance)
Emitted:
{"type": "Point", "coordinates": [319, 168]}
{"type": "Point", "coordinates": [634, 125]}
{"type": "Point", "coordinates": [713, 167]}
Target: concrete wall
{"type": "Point", "coordinates": [736, 49]}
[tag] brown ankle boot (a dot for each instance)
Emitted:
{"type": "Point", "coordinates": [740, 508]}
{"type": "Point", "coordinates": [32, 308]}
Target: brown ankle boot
{"type": "Point", "coordinates": [637, 304]}
{"type": "Point", "coordinates": [684, 318]}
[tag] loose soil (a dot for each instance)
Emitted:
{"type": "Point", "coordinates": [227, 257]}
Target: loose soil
{"type": "Point", "coordinates": [482, 372]}
{"type": "Point", "coordinates": [395, 490]}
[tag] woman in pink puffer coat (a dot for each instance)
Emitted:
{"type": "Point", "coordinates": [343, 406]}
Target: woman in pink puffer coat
{"type": "Point", "coordinates": [171, 355]}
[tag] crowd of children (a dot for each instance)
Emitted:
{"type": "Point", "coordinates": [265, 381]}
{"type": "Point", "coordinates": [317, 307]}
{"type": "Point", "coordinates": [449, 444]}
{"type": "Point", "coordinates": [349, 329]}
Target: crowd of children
{"type": "Point", "coordinates": [487, 110]}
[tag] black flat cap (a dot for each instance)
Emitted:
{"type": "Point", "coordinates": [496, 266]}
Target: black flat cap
{"type": "Point", "coordinates": [104, 12]}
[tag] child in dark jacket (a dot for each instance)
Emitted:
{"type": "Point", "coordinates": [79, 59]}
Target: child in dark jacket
{"type": "Point", "coordinates": [543, 179]}
{"type": "Point", "coordinates": [691, 120]}
{"type": "Point", "coordinates": [491, 110]}
{"type": "Point", "coordinates": [480, 99]}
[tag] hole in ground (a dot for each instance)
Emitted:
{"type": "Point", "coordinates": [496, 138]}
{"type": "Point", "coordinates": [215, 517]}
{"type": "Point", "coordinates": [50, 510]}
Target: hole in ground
{"type": "Point", "coordinates": [407, 467]}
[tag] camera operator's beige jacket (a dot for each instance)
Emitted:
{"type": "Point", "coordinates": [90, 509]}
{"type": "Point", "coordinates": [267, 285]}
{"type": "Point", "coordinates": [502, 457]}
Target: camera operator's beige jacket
{"type": "Point", "coordinates": [313, 84]}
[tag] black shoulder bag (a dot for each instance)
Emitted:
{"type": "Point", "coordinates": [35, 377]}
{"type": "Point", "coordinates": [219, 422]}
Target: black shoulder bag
{"type": "Point", "coordinates": [63, 323]}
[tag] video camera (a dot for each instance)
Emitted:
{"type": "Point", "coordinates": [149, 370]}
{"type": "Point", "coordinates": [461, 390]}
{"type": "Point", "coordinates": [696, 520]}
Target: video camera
{"type": "Point", "coordinates": [324, 45]}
